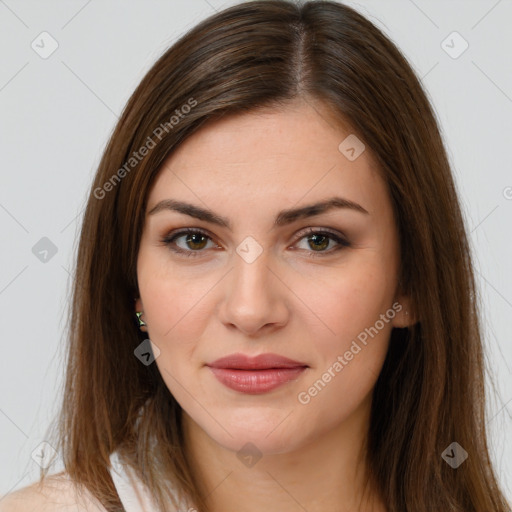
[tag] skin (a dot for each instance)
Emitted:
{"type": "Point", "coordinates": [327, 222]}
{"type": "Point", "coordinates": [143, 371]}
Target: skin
{"type": "Point", "coordinates": [247, 168]}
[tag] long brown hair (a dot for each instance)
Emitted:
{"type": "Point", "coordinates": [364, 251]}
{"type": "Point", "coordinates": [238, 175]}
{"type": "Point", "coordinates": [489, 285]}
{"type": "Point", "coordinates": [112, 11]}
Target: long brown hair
{"type": "Point", "coordinates": [430, 392]}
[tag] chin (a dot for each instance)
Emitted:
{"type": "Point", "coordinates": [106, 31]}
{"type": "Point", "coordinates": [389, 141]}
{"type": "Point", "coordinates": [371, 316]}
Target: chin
{"type": "Point", "coordinates": [261, 442]}
{"type": "Point", "coordinates": [269, 432]}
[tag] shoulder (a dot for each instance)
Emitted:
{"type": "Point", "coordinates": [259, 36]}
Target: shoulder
{"type": "Point", "coordinates": [55, 494]}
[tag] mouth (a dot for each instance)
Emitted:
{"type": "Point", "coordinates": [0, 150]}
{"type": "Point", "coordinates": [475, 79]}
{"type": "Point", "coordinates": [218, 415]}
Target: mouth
{"type": "Point", "coordinates": [256, 375]}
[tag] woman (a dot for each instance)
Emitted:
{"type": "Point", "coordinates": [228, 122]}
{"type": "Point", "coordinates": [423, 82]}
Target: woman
{"type": "Point", "coordinates": [274, 303]}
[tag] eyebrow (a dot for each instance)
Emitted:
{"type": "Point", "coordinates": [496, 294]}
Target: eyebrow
{"type": "Point", "coordinates": [283, 218]}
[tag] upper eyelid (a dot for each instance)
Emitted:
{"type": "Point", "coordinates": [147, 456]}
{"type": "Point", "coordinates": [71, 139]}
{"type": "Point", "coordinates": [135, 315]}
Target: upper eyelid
{"type": "Point", "coordinates": [179, 231]}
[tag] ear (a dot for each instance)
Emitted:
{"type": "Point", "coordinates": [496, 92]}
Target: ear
{"type": "Point", "coordinates": [405, 316]}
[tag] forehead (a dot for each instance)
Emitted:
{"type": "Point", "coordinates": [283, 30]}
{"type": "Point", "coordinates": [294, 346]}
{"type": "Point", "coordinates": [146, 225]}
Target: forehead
{"type": "Point", "coordinates": [270, 157]}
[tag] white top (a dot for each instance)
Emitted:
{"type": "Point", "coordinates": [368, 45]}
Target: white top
{"type": "Point", "coordinates": [134, 495]}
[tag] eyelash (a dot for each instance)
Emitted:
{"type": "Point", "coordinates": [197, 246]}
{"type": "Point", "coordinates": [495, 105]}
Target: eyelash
{"type": "Point", "coordinates": [171, 237]}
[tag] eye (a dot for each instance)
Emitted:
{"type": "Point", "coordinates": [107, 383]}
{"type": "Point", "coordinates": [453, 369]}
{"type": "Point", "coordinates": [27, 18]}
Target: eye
{"type": "Point", "coordinates": [195, 240]}
{"type": "Point", "coordinates": [319, 240]}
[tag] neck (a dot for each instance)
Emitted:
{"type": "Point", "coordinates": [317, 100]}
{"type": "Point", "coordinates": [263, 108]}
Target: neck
{"type": "Point", "coordinates": [326, 474]}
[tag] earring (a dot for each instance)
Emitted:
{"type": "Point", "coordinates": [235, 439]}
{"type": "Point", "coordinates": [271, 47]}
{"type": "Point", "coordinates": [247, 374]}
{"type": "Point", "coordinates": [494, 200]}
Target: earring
{"type": "Point", "coordinates": [142, 324]}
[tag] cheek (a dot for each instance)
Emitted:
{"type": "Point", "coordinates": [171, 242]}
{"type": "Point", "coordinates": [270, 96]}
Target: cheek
{"type": "Point", "coordinates": [350, 301]}
{"type": "Point", "coordinates": [357, 309]}
{"type": "Point", "coordinates": [175, 316]}
{"type": "Point", "coordinates": [173, 306]}
{"type": "Point", "coordinates": [348, 362]}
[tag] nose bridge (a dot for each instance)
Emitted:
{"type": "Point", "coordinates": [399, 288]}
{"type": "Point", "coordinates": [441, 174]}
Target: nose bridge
{"type": "Point", "coordinates": [253, 296]}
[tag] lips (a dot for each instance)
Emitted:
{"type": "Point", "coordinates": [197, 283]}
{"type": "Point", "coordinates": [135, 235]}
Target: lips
{"type": "Point", "coordinates": [260, 362]}
{"type": "Point", "coordinates": [255, 375]}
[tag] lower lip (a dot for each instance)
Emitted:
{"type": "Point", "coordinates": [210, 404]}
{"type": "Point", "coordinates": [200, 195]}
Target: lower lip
{"type": "Point", "coordinates": [256, 381]}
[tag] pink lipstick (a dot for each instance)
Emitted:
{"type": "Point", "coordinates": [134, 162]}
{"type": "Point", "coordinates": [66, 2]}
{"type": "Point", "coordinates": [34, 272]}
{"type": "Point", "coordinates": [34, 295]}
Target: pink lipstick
{"type": "Point", "coordinates": [255, 375]}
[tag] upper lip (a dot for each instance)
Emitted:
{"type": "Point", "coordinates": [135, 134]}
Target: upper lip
{"type": "Point", "coordinates": [259, 362]}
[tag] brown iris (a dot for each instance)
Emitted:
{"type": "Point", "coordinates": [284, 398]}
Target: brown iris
{"type": "Point", "coordinates": [191, 239]}
{"type": "Point", "coordinates": [315, 238]}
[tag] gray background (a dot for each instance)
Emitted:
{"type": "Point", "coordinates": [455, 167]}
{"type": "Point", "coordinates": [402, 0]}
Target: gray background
{"type": "Point", "coordinates": [56, 115]}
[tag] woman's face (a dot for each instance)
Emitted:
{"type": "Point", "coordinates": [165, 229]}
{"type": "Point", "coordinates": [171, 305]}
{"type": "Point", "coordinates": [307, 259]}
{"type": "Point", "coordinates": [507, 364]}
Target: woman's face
{"type": "Point", "coordinates": [253, 280]}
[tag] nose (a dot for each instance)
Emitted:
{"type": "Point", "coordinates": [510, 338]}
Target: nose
{"type": "Point", "coordinates": [254, 297]}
